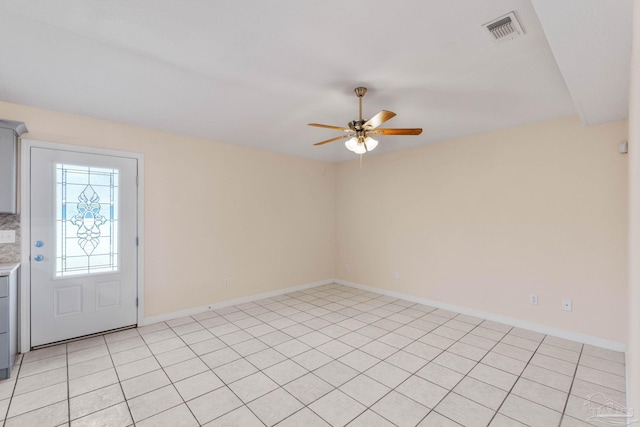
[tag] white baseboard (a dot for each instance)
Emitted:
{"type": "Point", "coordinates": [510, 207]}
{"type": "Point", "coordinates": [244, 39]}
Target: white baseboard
{"type": "Point", "coordinates": [544, 329]}
{"type": "Point", "coordinates": [547, 330]}
{"type": "Point", "coordinates": [214, 306]}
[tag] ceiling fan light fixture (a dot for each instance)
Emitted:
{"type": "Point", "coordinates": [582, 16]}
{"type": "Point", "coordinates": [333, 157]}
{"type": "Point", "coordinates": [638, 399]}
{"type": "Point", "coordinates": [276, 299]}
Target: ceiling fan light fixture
{"type": "Point", "coordinates": [360, 148]}
{"type": "Point", "coordinates": [351, 144]}
{"type": "Point", "coordinates": [370, 143]}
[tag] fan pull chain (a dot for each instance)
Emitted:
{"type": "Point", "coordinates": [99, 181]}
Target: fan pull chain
{"type": "Point", "coordinates": [360, 161]}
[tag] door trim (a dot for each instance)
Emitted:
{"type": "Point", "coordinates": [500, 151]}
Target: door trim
{"type": "Point", "coordinates": [24, 333]}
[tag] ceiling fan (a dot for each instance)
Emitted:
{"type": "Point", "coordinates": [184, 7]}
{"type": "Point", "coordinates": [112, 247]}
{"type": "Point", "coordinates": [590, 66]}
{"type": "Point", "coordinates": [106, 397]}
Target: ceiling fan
{"type": "Point", "coordinates": [360, 131]}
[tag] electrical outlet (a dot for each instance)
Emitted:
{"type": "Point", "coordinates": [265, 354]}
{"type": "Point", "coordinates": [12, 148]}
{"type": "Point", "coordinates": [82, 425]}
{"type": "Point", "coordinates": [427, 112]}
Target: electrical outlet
{"type": "Point", "coordinates": [225, 283]}
{"type": "Point", "coordinates": [396, 275]}
{"type": "Point", "coordinates": [533, 299]}
{"type": "Point", "coordinates": [567, 305]}
{"type": "Point", "coordinates": [7, 236]}
{"type": "Point", "coordinates": [347, 267]}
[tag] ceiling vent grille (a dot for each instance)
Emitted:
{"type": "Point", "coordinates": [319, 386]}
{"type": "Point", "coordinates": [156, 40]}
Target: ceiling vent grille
{"type": "Point", "coordinates": [504, 28]}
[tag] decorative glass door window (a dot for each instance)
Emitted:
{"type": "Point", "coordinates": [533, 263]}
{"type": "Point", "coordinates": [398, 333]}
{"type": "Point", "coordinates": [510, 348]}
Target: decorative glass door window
{"type": "Point", "coordinates": [86, 220]}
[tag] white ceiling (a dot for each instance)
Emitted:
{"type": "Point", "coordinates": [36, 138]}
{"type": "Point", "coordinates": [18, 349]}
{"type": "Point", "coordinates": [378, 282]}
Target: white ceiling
{"type": "Point", "coordinates": [255, 73]}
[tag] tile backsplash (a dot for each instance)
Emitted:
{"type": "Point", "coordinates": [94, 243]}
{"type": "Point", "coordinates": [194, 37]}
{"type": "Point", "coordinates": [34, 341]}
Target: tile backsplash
{"type": "Point", "coordinates": [10, 252]}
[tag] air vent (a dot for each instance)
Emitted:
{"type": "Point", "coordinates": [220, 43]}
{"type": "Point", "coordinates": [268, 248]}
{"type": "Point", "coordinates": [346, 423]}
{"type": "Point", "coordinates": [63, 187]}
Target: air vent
{"type": "Point", "coordinates": [504, 28]}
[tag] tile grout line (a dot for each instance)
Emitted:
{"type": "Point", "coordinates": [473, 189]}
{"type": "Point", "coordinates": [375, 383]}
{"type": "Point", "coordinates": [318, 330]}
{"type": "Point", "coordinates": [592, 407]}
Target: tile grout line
{"type": "Point", "coordinates": [566, 402]}
{"type": "Point", "coordinates": [516, 381]}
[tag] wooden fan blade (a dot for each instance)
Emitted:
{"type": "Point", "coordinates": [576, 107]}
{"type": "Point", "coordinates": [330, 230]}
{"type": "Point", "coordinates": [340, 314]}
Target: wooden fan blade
{"type": "Point", "coordinates": [318, 125]}
{"type": "Point", "coordinates": [409, 131]}
{"type": "Point", "coordinates": [378, 119]}
{"type": "Point", "coordinates": [332, 140]}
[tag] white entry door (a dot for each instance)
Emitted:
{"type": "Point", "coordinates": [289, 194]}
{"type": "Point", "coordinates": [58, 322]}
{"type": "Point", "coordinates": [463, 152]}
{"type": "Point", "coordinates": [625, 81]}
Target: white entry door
{"type": "Point", "coordinates": [83, 244]}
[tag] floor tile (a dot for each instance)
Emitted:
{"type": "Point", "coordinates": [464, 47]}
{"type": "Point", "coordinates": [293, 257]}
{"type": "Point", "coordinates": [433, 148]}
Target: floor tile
{"type": "Point", "coordinates": [185, 369]}
{"type": "Point", "coordinates": [94, 401]}
{"type": "Point", "coordinates": [438, 374]}
{"type": "Point", "coordinates": [275, 406]}
{"type": "Point", "coordinates": [89, 367]}
{"type": "Point", "coordinates": [303, 417]}
{"type": "Point", "coordinates": [144, 383]}
{"type": "Point", "coordinates": [365, 390]}
{"type": "Point", "coordinates": [603, 353]}
{"type": "Point", "coordinates": [335, 349]}
{"type": "Point", "coordinates": [468, 351]}
{"type": "Point", "coordinates": [48, 416]}
{"type": "Point", "coordinates": [501, 420]}
{"type": "Point", "coordinates": [37, 381]}
{"type": "Point", "coordinates": [322, 356]}
{"type": "Point", "coordinates": [541, 394]}
{"type": "Point", "coordinates": [336, 373]}
{"type": "Point", "coordinates": [214, 404]}
{"type": "Point", "coordinates": [253, 386]}
{"type": "Point", "coordinates": [238, 417]}
{"type": "Point", "coordinates": [87, 354]}
{"type": "Point", "coordinates": [337, 408]}
{"type": "Point", "coordinates": [154, 402]}
{"type": "Point", "coordinates": [265, 358]}
{"type": "Point", "coordinates": [43, 365]}
{"type": "Point", "coordinates": [464, 411]}
{"type": "Point", "coordinates": [312, 359]}
{"type": "Point", "coordinates": [235, 370]}
{"type": "Point", "coordinates": [92, 382]}
{"type": "Point", "coordinates": [207, 346]}
{"type": "Point", "coordinates": [369, 419]}
{"type": "Point", "coordinates": [547, 377]}
{"type": "Point", "coordinates": [113, 416]}
{"type": "Point", "coordinates": [422, 391]}
{"type": "Point", "coordinates": [603, 365]}
{"type": "Point", "coordinates": [455, 362]}
{"type": "Point", "coordinates": [481, 392]}
{"type": "Point", "coordinates": [493, 376]}
{"type": "Point", "coordinates": [124, 357]}
{"type": "Point", "coordinates": [37, 399]}
{"type": "Point", "coordinates": [400, 410]}
{"type": "Point", "coordinates": [505, 363]}
{"type": "Point", "coordinates": [528, 412]}
{"type": "Point", "coordinates": [359, 360]}
{"type": "Point", "coordinates": [602, 378]}
{"type": "Point", "coordinates": [248, 347]}
{"type": "Point", "coordinates": [285, 371]}
{"type": "Point", "coordinates": [220, 357]}
{"type": "Point", "coordinates": [136, 368]}
{"type": "Point", "coordinates": [197, 385]}
{"type": "Point", "coordinates": [434, 419]}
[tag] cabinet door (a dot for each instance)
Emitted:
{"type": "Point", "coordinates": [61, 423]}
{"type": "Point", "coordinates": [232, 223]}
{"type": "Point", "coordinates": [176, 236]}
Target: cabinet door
{"type": "Point", "coordinates": [8, 168]}
{"type": "Point", "coordinates": [4, 314]}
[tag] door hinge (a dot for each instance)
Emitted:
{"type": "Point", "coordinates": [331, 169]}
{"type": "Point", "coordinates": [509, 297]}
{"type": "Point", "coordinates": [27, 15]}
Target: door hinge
{"type": "Point", "coordinates": [137, 180]}
{"type": "Point", "coordinates": [136, 302]}
{"type": "Point", "coordinates": [137, 241]}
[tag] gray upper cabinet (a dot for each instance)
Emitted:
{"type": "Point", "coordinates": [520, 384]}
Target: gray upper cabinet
{"type": "Point", "coordinates": [9, 133]}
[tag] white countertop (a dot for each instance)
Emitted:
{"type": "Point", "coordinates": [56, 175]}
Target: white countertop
{"type": "Point", "coordinates": [7, 269]}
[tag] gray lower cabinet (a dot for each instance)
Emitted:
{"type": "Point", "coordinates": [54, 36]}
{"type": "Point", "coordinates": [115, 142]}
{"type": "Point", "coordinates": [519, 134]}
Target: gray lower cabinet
{"type": "Point", "coordinates": [8, 323]}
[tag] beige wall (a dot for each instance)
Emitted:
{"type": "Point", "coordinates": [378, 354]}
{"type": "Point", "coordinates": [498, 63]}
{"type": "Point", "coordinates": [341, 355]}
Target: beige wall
{"type": "Point", "coordinates": [479, 222]}
{"type": "Point", "coordinates": [213, 211]}
{"type": "Point", "coordinates": [484, 221]}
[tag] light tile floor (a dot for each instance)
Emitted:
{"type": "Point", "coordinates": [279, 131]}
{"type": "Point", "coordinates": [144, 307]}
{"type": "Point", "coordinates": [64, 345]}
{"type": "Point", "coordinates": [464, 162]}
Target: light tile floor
{"type": "Point", "coordinates": [330, 355]}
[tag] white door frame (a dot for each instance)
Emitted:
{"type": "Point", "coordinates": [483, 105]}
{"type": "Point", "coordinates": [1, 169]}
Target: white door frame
{"type": "Point", "coordinates": [24, 333]}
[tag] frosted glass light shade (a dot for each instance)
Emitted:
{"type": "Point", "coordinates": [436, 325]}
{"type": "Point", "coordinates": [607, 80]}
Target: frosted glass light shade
{"type": "Point", "coordinates": [351, 144]}
{"type": "Point", "coordinates": [360, 148]}
{"type": "Point", "coordinates": [370, 143]}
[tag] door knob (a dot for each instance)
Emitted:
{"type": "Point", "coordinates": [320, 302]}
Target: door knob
{"type": "Point", "coordinates": [38, 258]}
{"type": "Point", "coordinates": [39, 244]}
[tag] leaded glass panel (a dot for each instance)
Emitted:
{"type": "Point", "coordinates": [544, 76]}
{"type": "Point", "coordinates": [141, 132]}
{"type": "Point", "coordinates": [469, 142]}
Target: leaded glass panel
{"type": "Point", "coordinates": [86, 220]}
